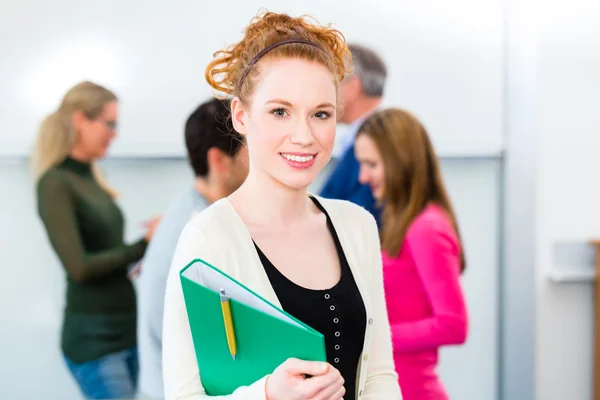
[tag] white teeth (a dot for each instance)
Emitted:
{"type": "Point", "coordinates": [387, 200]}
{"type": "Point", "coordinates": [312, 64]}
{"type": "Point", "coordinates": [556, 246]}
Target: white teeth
{"type": "Point", "coordinates": [297, 158]}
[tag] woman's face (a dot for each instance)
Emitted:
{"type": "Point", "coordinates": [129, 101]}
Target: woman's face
{"type": "Point", "coordinates": [94, 136]}
{"type": "Point", "coordinates": [290, 123]}
{"type": "Point", "coordinates": [372, 171]}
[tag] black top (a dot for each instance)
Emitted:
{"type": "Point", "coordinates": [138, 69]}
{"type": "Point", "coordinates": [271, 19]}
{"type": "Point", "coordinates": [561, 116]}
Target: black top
{"type": "Point", "coordinates": [338, 313]}
{"type": "Point", "coordinates": [86, 227]}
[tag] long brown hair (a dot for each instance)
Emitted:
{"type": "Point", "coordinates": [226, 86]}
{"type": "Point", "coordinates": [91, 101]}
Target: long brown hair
{"type": "Point", "coordinates": [413, 178]}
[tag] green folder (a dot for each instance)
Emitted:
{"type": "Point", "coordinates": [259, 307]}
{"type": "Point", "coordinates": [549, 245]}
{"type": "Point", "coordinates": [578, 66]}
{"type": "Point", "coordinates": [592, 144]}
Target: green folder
{"type": "Point", "coordinates": [265, 335]}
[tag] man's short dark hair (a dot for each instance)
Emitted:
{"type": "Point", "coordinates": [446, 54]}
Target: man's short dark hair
{"type": "Point", "coordinates": [369, 68]}
{"type": "Point", "coordinates": [207, 127]}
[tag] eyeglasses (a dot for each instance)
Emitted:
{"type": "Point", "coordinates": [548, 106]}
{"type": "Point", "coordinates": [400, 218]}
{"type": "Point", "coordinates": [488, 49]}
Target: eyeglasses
{"type": "Point", "coordinates": [112, 125]}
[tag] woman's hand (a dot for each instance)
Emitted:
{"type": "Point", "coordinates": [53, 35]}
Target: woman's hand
{"type": "Point", "coordinates": [305, 380]}
{"type": "Point", "coordinates": [150, 226]}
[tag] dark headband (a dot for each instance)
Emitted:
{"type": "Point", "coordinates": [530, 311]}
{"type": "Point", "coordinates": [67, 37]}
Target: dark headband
{"type": "Point", "coordinates": [271, 47]}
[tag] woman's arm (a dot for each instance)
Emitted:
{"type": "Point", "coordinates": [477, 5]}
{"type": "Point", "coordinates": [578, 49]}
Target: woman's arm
{"type": "Point", "coordinates": [436, 255]}
{"type": "Point", "coordinates": [56, 207]}
{"type": "Point", "coordinates": [180, 368]}
{"type": "Point", "coordinates": [382, 380]}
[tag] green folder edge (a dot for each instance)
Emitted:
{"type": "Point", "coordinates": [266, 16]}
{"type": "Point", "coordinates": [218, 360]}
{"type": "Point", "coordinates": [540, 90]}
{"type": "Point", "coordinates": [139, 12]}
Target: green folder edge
{"type": "Point", "coordinates": [307, 327]}
{"type": "Point", "coordinates": [245, 288]}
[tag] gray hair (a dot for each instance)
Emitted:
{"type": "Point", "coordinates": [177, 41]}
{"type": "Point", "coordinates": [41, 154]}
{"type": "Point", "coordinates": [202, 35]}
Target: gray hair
{"type": "Point", "coordinates": [370, 70]}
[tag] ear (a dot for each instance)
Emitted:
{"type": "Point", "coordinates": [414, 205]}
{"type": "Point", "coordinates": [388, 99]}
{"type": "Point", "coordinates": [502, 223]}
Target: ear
{"type": "Point", "coordinates": [217, 161]}
{"type": "Point", "coordinates": [239, 116]}
{"type": "Point", "coordinates": [78, 119]}
{"type": "Point", "coordinates": [355, 85]}
{"type": "Point", "coordinates": [340, 111]}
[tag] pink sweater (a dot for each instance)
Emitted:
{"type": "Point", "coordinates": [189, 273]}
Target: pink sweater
{"type": "Point", "coordinates": [425, 302]}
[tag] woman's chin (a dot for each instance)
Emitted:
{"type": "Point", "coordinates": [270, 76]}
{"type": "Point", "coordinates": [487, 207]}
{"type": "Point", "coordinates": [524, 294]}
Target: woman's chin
{"type": "Point", "coordinates": [101, 153]}
{"type": "Point", "coordinates": [297, 183]}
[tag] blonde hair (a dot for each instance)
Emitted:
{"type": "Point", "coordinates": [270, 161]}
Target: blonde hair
{"type": "Point", "coordinates": [224, 74]}
{"type": "Point", "coordinates": [56, 136]}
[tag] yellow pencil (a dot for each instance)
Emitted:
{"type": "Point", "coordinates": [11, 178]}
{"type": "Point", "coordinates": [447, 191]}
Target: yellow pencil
{"type": "Point", "coordinates": [225, 307]}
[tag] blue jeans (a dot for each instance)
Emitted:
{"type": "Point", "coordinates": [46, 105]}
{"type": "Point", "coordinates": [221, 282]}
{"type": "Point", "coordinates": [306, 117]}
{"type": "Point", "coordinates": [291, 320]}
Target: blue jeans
{"type": "Point", "coordinates": [113, 376]}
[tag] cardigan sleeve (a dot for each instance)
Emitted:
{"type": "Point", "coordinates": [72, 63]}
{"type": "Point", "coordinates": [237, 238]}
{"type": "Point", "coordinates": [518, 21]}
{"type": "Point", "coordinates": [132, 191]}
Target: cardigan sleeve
{"type": "Point", "coordinates": [382, 379]}
{"type": "Point", "coordinates": [180, 369]}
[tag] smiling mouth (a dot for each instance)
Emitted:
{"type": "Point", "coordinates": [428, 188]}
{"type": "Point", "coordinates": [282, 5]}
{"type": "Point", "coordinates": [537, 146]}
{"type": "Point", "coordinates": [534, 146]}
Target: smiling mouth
{"type": "Point", "coordinates": [298, 158]}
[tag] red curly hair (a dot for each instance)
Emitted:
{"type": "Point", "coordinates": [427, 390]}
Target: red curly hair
{"type": "Point", "coordinates": [226, 70]}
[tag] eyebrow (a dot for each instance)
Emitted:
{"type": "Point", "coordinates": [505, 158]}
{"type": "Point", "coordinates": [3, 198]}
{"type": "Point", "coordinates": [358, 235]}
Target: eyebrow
{"type": "Point", "coordinates": [288, 104]}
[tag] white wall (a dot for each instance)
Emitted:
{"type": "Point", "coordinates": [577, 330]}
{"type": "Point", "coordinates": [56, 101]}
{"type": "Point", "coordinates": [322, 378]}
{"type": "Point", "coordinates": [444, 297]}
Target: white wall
{"type": "Point", "coordinates": [471, 371]}
{"type": "Point", "coordinates": [32, 293]}
{"type": "Point", "coordinates": [518, 297]}
{"type": "Point", "coordinates": [444, 58]}
{"type": "Point", "coordinates": [568, 192]}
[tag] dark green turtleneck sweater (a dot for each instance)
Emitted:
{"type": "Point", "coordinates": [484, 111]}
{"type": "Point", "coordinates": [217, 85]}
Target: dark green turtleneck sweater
{"type": "Point", "coordinates": [85, 227]}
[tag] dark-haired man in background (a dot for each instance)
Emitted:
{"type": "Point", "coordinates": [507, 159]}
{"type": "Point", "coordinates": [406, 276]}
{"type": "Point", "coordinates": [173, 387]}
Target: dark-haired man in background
{"type": "Point", "coordinates": [220, 162]}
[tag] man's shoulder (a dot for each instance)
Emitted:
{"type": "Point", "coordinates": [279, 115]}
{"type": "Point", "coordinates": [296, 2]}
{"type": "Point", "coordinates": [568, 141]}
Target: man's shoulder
{"type": "Point", "coordinates": [348, 156]}
{"type": "Point", "coordinates": [181, 209]}
{"type": "Point", "coordinates": [188, 204]}
{"type": "Point", "coordinates": [343, 176]}
{"type": "Point", "coordinates": [178, 213]}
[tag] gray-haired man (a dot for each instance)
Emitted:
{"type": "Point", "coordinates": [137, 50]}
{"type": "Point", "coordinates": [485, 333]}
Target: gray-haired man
{"type": "Point", "coordinates": [360, 93]}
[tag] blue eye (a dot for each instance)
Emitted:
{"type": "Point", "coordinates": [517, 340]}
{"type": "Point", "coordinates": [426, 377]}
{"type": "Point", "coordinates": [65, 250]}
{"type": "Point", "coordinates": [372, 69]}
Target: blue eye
{"type": "Point", "coordinates": [279, 112]}
{"type": "Point", "coordinates": [322, 115]}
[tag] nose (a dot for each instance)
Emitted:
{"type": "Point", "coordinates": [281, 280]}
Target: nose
{"type": "Point", "coordinates": [363, 175]}
{"type": "Point", "coordinates": [302, 134]}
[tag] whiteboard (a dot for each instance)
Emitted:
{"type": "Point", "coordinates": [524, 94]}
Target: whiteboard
{"type": "Point", "coordinates": [445, 62]}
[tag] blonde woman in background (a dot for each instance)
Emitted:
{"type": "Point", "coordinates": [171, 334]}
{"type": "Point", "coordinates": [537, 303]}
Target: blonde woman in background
{"type": "Point", "coordinates": [86, 228]}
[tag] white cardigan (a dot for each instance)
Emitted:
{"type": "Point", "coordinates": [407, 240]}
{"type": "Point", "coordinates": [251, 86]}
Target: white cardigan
{"type": "Point", "coordinates": [219, 236]}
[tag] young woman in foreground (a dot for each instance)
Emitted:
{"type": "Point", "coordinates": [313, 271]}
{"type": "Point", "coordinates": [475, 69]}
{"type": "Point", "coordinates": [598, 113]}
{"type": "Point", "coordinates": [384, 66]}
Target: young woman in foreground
{"type": "Point", "coordinates": [318, 259]}
{"type": "Point", "coordinates": [422, 251]}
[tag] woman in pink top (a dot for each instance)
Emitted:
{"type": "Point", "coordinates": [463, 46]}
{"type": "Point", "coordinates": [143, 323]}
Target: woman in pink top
{"type": "Point", "coordinates": [422, 251]}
